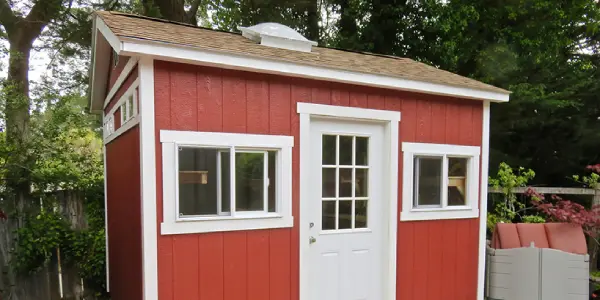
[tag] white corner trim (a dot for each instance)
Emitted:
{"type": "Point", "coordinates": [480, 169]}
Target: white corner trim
{"type": "Point", "coordinates": [112, 39]}
{"type": "Point", "coordinates": [347, 112]}
{"type": "Point", "coordinates": [485, 153]}
{"type": "Point", "coordinates": [148, 180]}
{"type": "Point", "coordinates": [470, 210]}
{"type": "Point", "coordinates": [186, 54]}
{"type": "Point", "coordinates": [172, 224]}
{"type": "Point", "coordinates": [131, 63]}
{"type": "Point", "coordinates": [106, 223]}
{"type": "Point", "coordinates": [391, 119]}
{"type": "Point", "coordinates": [226, 139]}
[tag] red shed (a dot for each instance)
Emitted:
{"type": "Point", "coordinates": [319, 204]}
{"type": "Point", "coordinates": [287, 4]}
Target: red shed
{"type": "Point", "coordinates": [261, 166]}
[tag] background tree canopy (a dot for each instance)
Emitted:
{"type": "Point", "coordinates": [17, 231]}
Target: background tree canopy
{"type": "Point", "coordinates": [544, 51]}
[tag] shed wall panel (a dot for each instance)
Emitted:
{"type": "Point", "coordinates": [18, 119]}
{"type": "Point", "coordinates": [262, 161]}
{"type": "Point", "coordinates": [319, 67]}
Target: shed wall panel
{"type": "Point", "coordinates": [115, 70]}
{"type": "Point", "coordinates": [434, 257]}
{"type": "Point", "coordinates": [124, 215]}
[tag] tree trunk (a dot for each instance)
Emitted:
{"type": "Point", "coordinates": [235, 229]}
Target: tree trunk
{"type": "Point", "coordinates": [347, 28]}
{"type": "Point", "coordinates": [313, 21]}
{"type": "Point", "coordinates": [172, 10]}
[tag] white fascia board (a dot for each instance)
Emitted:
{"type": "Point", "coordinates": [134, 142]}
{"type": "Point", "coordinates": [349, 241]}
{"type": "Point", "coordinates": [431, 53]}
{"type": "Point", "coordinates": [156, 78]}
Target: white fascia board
{"type": "Point", "coordinates": [186, 54]}
{"type": "Point", "coordinates": [99, 27]}
{"type": "Point", "coordinates": [92, 70]}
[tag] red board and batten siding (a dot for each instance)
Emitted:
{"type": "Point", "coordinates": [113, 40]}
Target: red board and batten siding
{"type": "Point", "coordinates": [434, 257]}
{"type": "Point", "coordinates": [124, 215]}
{"type": "Point", "coordinates": [123, 196]}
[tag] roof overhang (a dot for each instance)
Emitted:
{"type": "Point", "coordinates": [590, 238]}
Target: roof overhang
{"type": "Point", "coordinates": [104, 40]}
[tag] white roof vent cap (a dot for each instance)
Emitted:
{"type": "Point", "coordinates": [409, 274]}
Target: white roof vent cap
{"type": "Point", "coordinates": [278, 36]}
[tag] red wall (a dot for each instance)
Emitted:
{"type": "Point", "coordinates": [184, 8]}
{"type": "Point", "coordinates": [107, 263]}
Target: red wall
{"type": "Point", "coordinates": [115, 71]}
{"type": "Point", "coordinates": [124, 215]}
{"type": "Point", "coordinates": [433, 256]}
{"type": "Point", "coordinates": [126, 84]}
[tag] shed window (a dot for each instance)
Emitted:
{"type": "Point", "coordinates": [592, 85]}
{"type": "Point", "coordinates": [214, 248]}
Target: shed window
{"type": "Point", "coordinates": [129, 106]}
{"type": "Point", "coordinates": [444, 181]}
{"type": "Point", "coordinates": [225, 181]}
{"type": "Point", "coordinates": [205, 181]}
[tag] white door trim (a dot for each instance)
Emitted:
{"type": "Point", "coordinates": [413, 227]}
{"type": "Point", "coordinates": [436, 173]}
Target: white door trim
{"type": "Point", "coordinates": [390, 120]}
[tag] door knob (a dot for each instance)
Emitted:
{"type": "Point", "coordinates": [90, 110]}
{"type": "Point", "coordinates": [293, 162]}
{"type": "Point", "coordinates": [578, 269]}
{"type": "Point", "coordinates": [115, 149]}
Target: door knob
{"type": "Point", "coordinates": [312, 240]}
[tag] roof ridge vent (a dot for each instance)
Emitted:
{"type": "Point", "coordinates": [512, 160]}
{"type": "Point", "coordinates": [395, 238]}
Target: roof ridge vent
{"type": "Point", "coordinates": [278, 36]}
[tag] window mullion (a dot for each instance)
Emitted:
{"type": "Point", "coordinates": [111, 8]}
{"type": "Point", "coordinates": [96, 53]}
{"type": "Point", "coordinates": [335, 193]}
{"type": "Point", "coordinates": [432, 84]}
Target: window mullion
{"type": "Point", "coordinates": [219, 185]}
{"type": "Point", "coordinates": [266, 182]}
{"type": "Point", "coordinates": [232, 206]}
{"type": "Point", "coordinates": [416, 176]}
{"type": "Point", "coordinates": [445, 181]}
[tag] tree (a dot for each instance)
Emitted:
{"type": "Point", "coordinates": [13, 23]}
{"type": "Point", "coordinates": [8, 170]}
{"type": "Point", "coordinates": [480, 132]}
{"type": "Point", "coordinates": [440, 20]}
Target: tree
{"type": "Point", "coordinates": [173, 10]}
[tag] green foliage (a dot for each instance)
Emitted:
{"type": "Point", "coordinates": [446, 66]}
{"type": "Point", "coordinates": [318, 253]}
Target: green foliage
{"type": "Point", "coordinates": [533, 219]}
{"type": "Point", "coordinates": [62, 152]}
{"type": "Point", "coordinates": [590, 181]}
{"type": "Point", "coordinates": [509, 207]}
{"type": "Point", "coordinates": [39, 240]}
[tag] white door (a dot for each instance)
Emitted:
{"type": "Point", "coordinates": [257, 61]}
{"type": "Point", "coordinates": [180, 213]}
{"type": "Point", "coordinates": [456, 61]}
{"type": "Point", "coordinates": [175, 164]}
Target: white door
{"type": "Point", "coordinates": [346, 211]}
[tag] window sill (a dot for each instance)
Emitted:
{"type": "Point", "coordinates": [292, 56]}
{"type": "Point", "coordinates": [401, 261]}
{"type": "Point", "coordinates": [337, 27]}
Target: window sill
{"type": "Point", "coordinates": [226, 223]}
{"type": "Point", "coordinates": [238, 216]}
{"type": "Point", "coordinates": [439, 214]}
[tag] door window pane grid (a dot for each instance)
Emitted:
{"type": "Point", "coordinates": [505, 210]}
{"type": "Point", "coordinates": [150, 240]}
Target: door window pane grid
{"type": "Point", "coordinates": [341, 196]}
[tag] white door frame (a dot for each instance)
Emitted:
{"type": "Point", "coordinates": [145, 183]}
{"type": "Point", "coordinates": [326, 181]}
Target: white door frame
{"type": "Point", "coordinates": [390, 120]}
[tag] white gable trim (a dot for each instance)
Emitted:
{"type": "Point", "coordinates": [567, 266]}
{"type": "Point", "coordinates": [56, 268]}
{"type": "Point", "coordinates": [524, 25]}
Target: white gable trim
{"type": "Point", "coordinates": [112, 39]}
{"type": "Point", "coordinates": [191, 55]}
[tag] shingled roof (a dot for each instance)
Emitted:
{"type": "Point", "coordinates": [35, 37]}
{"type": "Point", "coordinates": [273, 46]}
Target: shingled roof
{"type": "Point", "coordinates": [149, 29]}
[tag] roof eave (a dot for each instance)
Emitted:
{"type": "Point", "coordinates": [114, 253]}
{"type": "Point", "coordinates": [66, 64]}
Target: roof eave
{"type": "Point", "coordinates": [193, 55]}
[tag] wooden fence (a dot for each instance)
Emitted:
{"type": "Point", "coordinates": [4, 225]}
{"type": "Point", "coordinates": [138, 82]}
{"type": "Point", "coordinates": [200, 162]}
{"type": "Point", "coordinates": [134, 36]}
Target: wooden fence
{"type": "Point", "coordinates": [54, 281]}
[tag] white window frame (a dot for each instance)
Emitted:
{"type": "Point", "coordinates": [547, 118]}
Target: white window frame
{"type": "Point", "coordinates": [251, 220]}
{"type": "Point", "coordinates": [109, 125]}
{"type": "Point", "coordinates": [129, 110]}
{"type": "Point", "coordinates": [410, 212]}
